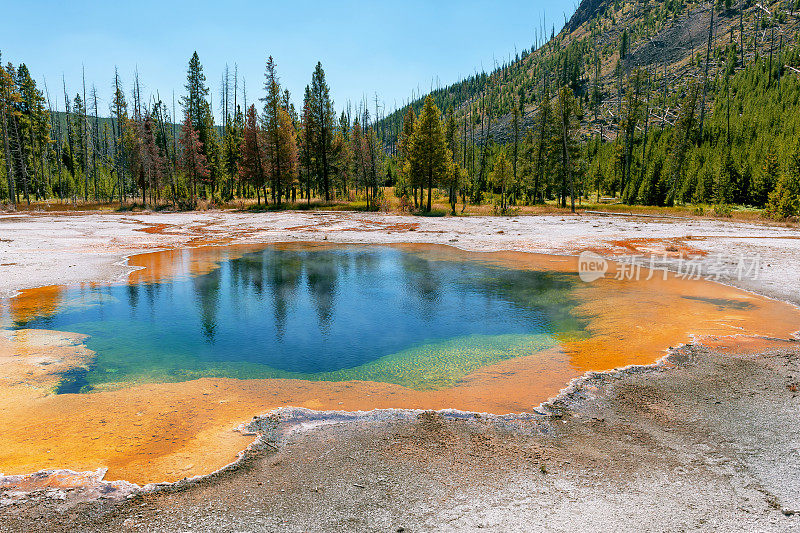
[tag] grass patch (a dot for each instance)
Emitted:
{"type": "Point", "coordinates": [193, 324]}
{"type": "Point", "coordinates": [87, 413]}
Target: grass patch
{"type": "Point", "coordinates": [432, 213]}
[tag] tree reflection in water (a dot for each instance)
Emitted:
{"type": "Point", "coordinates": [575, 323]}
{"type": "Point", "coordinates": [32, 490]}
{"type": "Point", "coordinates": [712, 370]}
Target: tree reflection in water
{"type": "Point", "coordinates": [279, 312]}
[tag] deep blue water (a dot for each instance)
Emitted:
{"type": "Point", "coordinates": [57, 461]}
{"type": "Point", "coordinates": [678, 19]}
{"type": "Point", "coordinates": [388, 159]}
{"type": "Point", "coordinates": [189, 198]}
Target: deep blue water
{"type": "Point", "coordinates": [302, 311]}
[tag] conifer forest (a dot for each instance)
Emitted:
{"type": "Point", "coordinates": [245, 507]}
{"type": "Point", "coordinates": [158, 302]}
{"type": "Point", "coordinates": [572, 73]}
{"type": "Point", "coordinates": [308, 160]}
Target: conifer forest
{"type": "Point", "coordinates": [668, 103]}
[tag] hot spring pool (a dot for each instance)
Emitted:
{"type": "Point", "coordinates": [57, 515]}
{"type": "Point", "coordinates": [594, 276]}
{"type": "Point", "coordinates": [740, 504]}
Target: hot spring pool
{"type": "Point", "coordinates": [317, 313]}
{"type": "Point", "coordinates": [150, 376]}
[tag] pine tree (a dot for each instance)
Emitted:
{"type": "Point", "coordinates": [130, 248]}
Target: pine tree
{"type": "Point", "coordinates": [6, 101]}
{"type": "Point", "coordinates": [193, 161]}
{"type": "Point", "coordinates": [307, 143]}
{"type": "Point", "coordinates": [403, 151]}
{"type": "Point", "coordinates": [454, 178]}
{"type": "Point", "coordinates": [784, 201]}
{"type": "Point", "coordinates": [120, 113]}
{"type": "Point", "coordinates": [288, 157]}
{"type": "Point", "coordinates": [341, 160]}
{"type": "Point", "coordinates": [515, 128]}
{"type": "Point", "coordinates": [541, 163]}
{"type": "Point", "coordinates": [452, 175]}
{"type": "Point", "coordinates": [726, 185]}
{"type": "Point", "coordinates": [196, 92]}
{"type": "Point", "coordinates": [17, 122]}
{"type": "Point", "coordinates": [623, 45]}
{"type": "Point", "coordinates": [323, 118]}
{"type": "Point", "coordinates": [212, 148]}
{"type": "Point", "coordinates": [232, 146]}
{"type": "Point", "coordinates": [150, 163]}
{"type": "Point", "coordinates": [681, 141]}
{"type": "Point", "coordinates": [567, 111]}
{"type": "Point", "coordinates": [197, 109]}
{"type": "Point", "coordinates": [767, 179]}
{"type": "Point", "coordinates": [501, 177]}
{"type": "Point", "coordinates": [34, 122]}
{"type": "Point", "coordinates": [81, 150]}
{"type": "Point", "coordinates": [629, 121]}
{"type": "Point", "coordinates": [428, 158]}
{"type": "Point", "coordinates": [370, 157]}
{"type": "Point", "coordinates": [252, 165]}
{"type": "Point", "coordinates": [281, 144]}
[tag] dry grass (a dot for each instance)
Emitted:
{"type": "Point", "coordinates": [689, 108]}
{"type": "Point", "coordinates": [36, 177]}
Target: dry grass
{"type": "Point", "coordinates": [440, 207]}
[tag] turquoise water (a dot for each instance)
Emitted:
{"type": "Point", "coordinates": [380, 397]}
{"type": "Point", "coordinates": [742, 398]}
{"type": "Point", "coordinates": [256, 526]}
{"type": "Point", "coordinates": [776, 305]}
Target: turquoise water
{"type": "Point", "coordinates": [375, 313]}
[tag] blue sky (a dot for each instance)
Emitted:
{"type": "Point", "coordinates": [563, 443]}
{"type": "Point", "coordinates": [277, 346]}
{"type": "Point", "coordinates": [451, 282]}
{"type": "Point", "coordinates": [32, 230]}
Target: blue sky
{"type": "Point", "coordinates": [388, 48]}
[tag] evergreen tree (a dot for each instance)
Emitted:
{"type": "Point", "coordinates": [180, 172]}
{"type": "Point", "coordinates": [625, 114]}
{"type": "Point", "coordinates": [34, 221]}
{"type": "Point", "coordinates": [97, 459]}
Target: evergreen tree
{"type": "Point", "coordinates": [404, 149]}
{"type": "Point", "coordinates": [427, 157]}
{"type": "Point", "coordinates": [151, 163]}
{"type": "Point", "coordinates": [307, 144]}
{"type": "Point", "coordinates": [768, 178]}
{"type": "Point", "coordinates": [213, 151]}
{"type": "Point", "coordinates": [623, 44]}
{"type": "Point", "coordinates": [726, 186]}
{"type": "Point", "coordinates": [279, 135]}
{"type": "Point", "coordinates": [629, 121]}
{"type": "Point", "coordinates": [453, 171]}
{"type": "Point", "coordinates": [34, 122]}
{"type": "Point", "coordinates": [272, 130]}
{"type": "Point", "coordinates": [501, 178]}
{"type": "Point", "coordinates": [79, 128]}
{"type": "Point", "coordinates": [323, 119]}
{"type": "Point", "coordinates": [252, 166]}
{"type": "Point", "coordinates": [515, 129]}
{"type": "Point", "coordinates": [681, 141]}
{"type": "Point", "coordinates": [7, 100]}
{"type": "Point", "coordinates": [232, 146]}
{"type": "Point", "coordinates": [119, 110]}
{"type": "Point", "coordinates": [194, 102]}
{"type": "Point", "coordinates": [342, 160]}
{"type": "Point", "coordinates": [454, 178]}
{"type": "Point", "coordinates": [542, 158]}
{"type": "Point", "coordinates": [193, 161]}
{"type": "Point", "coordinates": [567, 113]}
{"type": "Point", "coordinates": [197, 109]}
{"type": "Point", "coordinates": [784, 201]}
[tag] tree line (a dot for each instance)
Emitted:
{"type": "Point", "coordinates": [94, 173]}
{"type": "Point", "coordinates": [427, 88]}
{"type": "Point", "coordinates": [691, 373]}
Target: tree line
{"type": "Point", "coordinates": [266, 150]}
{"type": "Point", "coordinates": [547, 126]}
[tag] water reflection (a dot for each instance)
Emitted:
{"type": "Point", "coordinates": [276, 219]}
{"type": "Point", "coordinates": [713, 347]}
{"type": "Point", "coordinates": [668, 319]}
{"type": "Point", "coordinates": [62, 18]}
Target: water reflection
{"type": "Point", "coordinates": [321, 276]}
{"type": "Point", "coordinates": [206, 290]}
{"type": "Point", "coordinates": [304, 311]}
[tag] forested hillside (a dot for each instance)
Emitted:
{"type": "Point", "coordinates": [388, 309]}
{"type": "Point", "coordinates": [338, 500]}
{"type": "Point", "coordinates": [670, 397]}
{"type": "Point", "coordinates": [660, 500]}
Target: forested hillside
{"type": "Point", "coordinates": [676, 101]}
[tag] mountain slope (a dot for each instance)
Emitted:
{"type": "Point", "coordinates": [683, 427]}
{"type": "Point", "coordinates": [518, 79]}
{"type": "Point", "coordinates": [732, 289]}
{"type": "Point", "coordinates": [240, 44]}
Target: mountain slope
{"type": "Point", "coordinates": [666, 38]}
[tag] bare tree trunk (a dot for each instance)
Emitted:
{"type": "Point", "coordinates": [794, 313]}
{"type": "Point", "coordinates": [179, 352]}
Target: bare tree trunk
{"type": "Point", "coordinates": [566, 159]}
{"type": "Point", "coordinates": [95, 139]}
{"type": "Point", "coordinates": [705, 75]}
{"type": "Point", "coordinates": [771, 48]}
{"type": "Point", "coordinates": [644, 165]}
{"type": "Point", "coordinates": [84, 133]}
{"type": "Point", "coordinates": [483, 147]}
{"type": "Point", "coordinates": [741, 34]}
{"type": "Point", "coordinates": [728, 111]}
{"type": "Point", "coordinates": [174, 153]}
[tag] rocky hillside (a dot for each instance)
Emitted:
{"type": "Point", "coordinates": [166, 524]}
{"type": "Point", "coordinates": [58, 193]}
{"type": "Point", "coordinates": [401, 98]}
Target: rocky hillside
{"type": "Point", "coordinates": [601, 44]}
